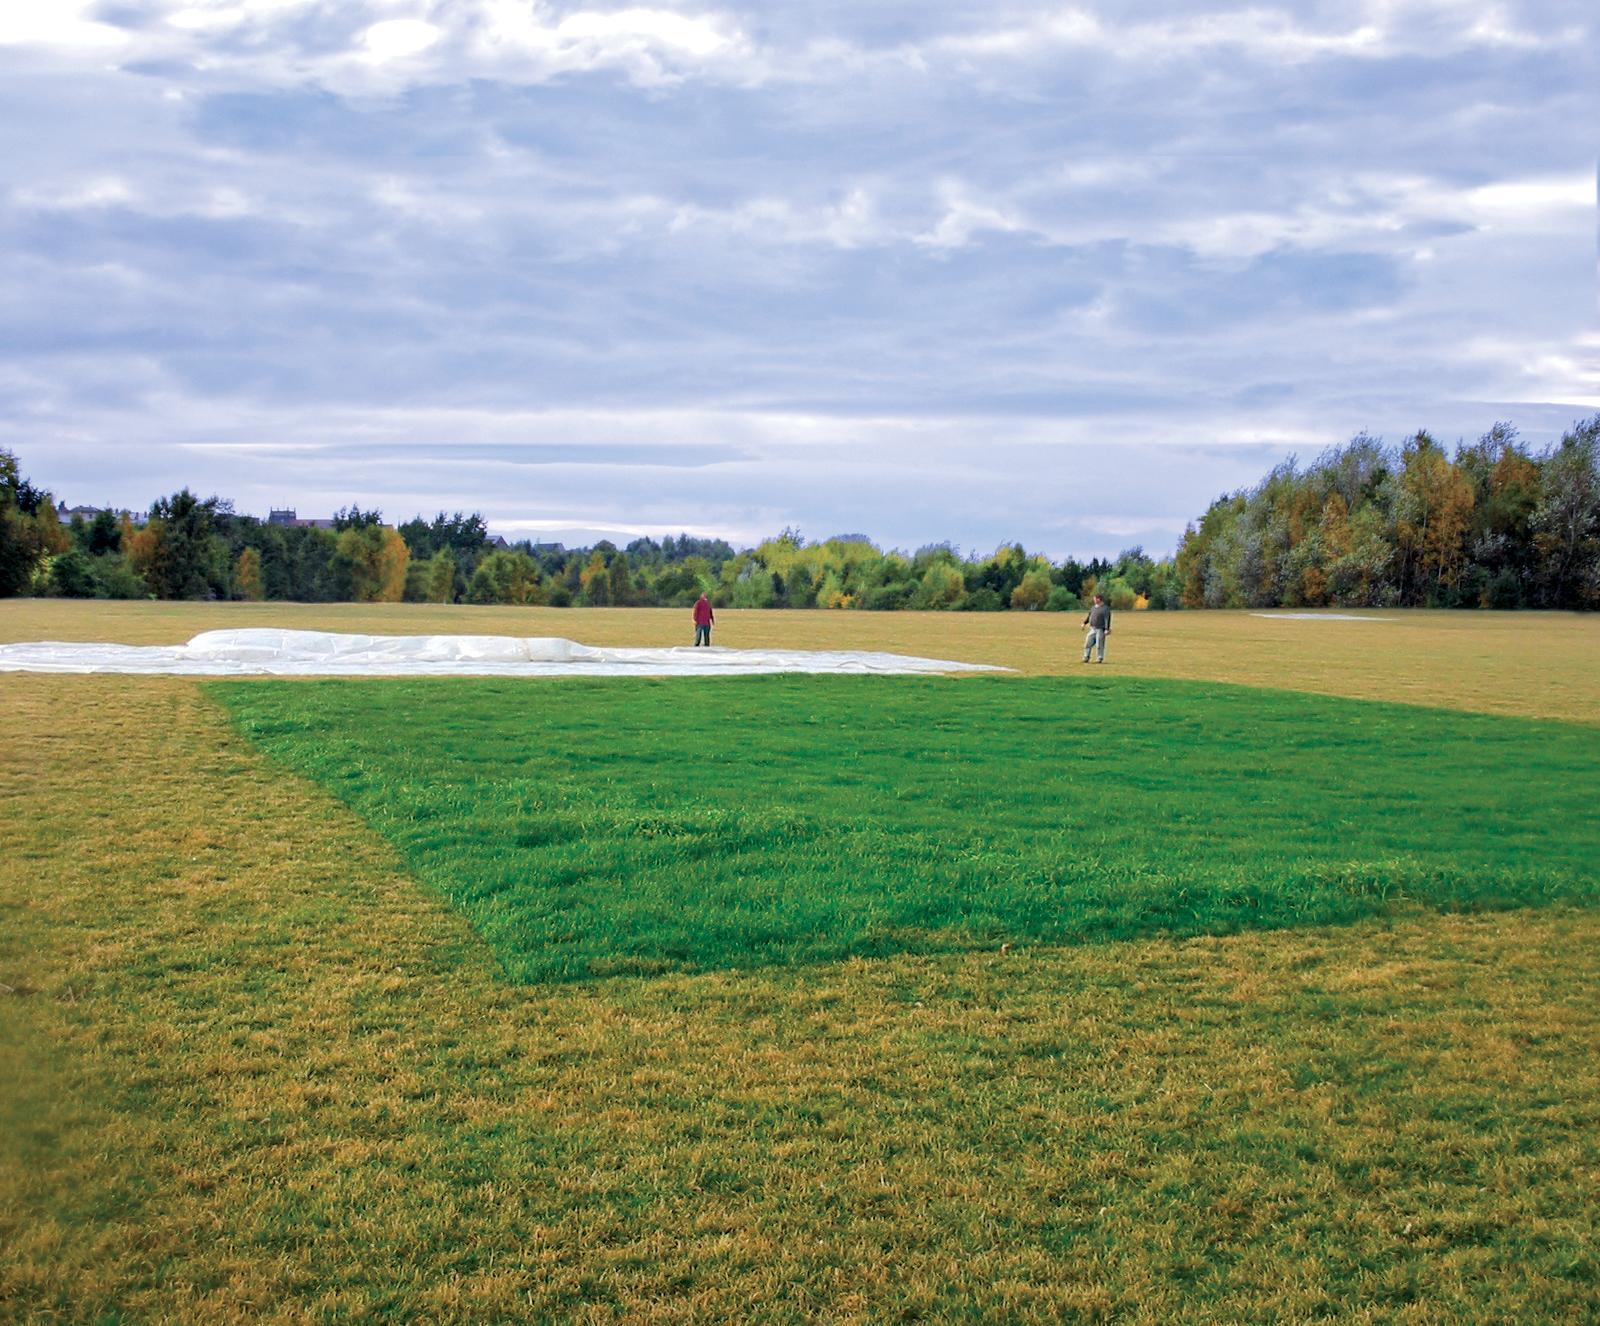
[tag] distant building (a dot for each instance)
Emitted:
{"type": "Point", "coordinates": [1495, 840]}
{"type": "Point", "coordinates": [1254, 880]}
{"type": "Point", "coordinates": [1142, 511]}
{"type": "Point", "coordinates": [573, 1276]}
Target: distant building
{"type": "Point", "coordinates": [289, 520]}
{"type": "Point", "coordinates": [67, 514]}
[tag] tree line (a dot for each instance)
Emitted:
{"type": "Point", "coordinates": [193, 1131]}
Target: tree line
{"type": "Point", "coordinates": [1366, 525]}
{"type": "Point", "coordinates": [1493, 526]}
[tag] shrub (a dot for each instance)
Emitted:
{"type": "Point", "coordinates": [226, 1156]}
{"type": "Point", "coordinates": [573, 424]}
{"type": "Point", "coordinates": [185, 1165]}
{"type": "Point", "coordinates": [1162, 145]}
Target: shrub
{"type": "Point", "coordinates": [115, 578]}
{"type": "Point", "coordinates": [887, 598]}
{"type": "Point", "coordinates": [71, 576]}
{"type": "Point", "coordinates": [942, 587]}
{"type": "Point", "coordinates": [981, 600]}
{"type": "Point", "coordinates": [1032, 591]}
{"type": "Point", "coordinates": [1119, 594]}
{"type": "Point", "coordinates": [1503, 591]}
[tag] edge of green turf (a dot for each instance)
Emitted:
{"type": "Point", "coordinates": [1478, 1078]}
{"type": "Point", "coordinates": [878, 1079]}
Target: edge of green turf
{"type": "Point", "coordinates": [1131, 909]}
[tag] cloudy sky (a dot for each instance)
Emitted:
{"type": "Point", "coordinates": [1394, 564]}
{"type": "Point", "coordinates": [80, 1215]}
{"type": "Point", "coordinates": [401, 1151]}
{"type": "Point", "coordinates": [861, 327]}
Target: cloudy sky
{"type": "Point", "coordinates": [1057, 273]}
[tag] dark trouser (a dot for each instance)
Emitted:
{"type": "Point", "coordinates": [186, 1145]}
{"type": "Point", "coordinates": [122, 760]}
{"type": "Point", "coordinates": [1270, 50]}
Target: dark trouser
{"type": "Point", "coordinates": [702, 635]}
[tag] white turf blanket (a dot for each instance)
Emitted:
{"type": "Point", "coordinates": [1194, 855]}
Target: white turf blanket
{"type": "Point", "coordinates": [325, 654]}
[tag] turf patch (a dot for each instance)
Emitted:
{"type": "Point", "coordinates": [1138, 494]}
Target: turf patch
{"type": "Point", "coordinates": [595, 827]}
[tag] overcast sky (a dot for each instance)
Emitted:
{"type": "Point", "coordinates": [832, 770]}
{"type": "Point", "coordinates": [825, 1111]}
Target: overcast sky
{"type": "Point", "coordinates": [924, 271]}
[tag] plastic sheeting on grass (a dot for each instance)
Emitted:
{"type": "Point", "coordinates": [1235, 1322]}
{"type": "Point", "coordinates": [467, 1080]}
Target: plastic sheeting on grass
{"type": "Point", "coordinates": [278, 653]}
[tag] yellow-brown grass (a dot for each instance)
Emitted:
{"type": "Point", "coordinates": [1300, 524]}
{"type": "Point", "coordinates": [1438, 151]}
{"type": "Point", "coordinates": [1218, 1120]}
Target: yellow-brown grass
{"type": "Point", "coordinates": [1542, 665]}
{"type": "Point", "coordinates": [258, 1076]}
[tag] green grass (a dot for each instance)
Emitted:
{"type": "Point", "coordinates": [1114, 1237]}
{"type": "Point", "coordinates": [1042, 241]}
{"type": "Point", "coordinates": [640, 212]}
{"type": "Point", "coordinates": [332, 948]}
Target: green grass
{"type": "Point", "coordinates": [594, 828]}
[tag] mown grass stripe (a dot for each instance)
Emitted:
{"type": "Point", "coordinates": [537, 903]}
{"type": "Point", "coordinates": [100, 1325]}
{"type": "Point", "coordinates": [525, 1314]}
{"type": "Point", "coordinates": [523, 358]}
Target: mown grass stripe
{"type": "Point", "coordinates": [598, 827]}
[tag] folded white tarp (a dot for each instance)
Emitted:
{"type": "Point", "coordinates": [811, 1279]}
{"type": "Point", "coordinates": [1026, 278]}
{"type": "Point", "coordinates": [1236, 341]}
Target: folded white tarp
{"type": "Point", "coordinates": [326, 654]}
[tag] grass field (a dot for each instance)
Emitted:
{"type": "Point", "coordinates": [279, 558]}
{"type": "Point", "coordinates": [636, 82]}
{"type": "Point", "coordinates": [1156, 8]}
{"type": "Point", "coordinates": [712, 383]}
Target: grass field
{"type": "Point", "coordinates": [595, 827]}
{"type": "Point", "coordinates": [265, 1070]}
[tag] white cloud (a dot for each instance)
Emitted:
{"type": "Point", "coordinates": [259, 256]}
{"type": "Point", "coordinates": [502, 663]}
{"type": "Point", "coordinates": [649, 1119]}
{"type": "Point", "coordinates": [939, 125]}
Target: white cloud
{"type": "Point", "coordinates": [850, 223]}
{"type": "Point", "coordinates": [213, 201]}
{"type": "Point", "coordinates": [519, 40]}
{"type": "Point", "coordinates": [1366, 212]}
{"type": "Point", "coordinates": [436, 206]}
{"type": "Point", "coordinates": [397, 39]}
{"type": "Point", "coordinates": [1264, 33]}
{"type": "Point", "coordinates": [1532, 203]}
{"type": "Point", "coordinates": [963, 218]}
{"type": "Point", "coordinates": [206, 18]}
{"type": "Point", "coordinates": [64, 24]}
{"type": "Point", "coordinates": [643, 29]}
{"type": "Point", "coordinates": [533, 41]}
{"type": "Point", "coordinates": [1538, 368]}
{"type": "Point", "coordinates": [1374, 30]}
{"type": "Point", "coordinates": [105, 191]}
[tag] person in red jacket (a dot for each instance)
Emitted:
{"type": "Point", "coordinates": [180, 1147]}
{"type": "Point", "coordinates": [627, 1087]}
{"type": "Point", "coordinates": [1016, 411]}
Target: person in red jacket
{"type": "Point", "coordinates": [703, 617]}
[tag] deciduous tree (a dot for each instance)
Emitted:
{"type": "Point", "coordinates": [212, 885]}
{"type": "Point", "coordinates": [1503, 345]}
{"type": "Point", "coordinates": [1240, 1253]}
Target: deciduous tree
{"type": "Point", "coordinates": [374, 558]}
{"type": "Point", "coordinates": [247, 576]}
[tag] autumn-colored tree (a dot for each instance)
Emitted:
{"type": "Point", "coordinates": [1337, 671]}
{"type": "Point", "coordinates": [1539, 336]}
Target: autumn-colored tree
{"type": "Point", "coordinates": [1306, 579]}
{"type": "Point", "coordinates": [1323, 578]}
{"type": "Point", "coordinates": [1304, 510]}
{"type": "Point", "coordinates": [392, 567]}
{"type": "Point", "coordinates": [149, 553]}
{"type": "Point", "coordinates": [831, 592]}
{"type": "Point", "coordinates": [1335, 527]}
{"type": "Point", "coordinates": [247, 576]}
{"type": "Point", "coordinates": [1191, 569]}
{"type": "Point", "coordinates": [1435, 505]}
{"type": "Point", "coordinates": [53, 537]}
{"type": "Point", "coordinates": [1314, 586]}
{"type": "Point", "coordinates": [1515, 478]}
{"type": "Point", "coordinates": [374, 557]}
{"type": "Point", "coordinates": [595, 581]}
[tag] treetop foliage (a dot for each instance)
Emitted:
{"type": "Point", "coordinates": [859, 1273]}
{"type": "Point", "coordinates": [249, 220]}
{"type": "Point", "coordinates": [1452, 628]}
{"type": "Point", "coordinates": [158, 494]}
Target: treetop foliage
{"type": "Point", "coordinates": [1366, 525]}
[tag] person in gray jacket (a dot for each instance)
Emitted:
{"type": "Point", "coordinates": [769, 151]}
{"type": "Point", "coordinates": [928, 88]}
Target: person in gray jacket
{"type": "Point", "coordinates": [1099, 623]}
